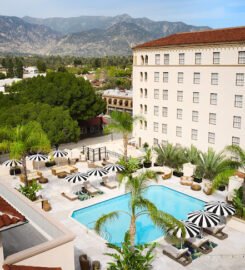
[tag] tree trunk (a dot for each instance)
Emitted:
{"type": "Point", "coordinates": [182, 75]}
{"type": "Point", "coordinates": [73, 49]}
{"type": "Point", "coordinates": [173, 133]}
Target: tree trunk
{"type": "Point", "coordinates": [125, 145]}
{"type": "Point", "coordinates": [25, 170]}
{"type": "Point", "coordinates": [132, 231]}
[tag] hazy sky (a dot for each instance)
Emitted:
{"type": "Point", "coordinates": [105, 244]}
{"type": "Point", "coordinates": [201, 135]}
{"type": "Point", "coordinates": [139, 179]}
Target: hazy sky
{"type": "Point", "coordinates": [214, 13]}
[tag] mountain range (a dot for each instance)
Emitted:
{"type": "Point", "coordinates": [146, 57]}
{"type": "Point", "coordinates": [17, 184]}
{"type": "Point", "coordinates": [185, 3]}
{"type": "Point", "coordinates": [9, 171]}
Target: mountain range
{"type": "Point", "coordinates": [84, 35]}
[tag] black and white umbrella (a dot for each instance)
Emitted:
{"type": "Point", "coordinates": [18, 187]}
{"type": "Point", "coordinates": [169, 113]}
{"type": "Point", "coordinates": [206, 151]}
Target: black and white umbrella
{"type": "Point", "coordinates": [220, 208]}
{"type": "Point", "coordinates": [191, 230]}
{"type": "Point", "coordinates": [77, 178]}
{"type": "Point", "coordinates": [204, 219]}
{"type": "Point", "coordinates": [59, 153]}
{"type": "Point", "coordinates": [97, 172]}
{"type": "Point", "coordinates": [12, 163]}
{"type": "Point", "coordinates": [38, 157]}
{"type": "Point", "coordinates": [110, 168]}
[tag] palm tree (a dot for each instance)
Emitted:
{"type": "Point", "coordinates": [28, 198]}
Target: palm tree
{"type": "Point", "coordinates": [211, 164]}
{"type": "Point", "coordinates": [139, 206]}
{"type": "Point", "coordinates": [122, 122]}
{"type": "Point", "coordinates": [192, 154]}
{"type": "Point", "coordinates": [240, 154]}
{"type": "Point", "coordinates": [170, 155]}
{"type": "Point", "coordinates": [22, 140]}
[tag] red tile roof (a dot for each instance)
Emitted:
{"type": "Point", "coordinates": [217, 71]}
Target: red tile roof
{"type": "Point", "coordinates": [224, 35]}
{"type": "Point", "coordinates": [22, 267]}
{"type": "Point", "coordinates": [9, 215]}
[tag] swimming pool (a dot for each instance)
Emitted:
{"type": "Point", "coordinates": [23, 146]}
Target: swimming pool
{"type": "Point", "coordinates": [166, 199]}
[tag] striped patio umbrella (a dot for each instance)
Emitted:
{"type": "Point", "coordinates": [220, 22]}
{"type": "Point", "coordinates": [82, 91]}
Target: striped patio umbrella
{"type": "Point", "coordinates": [220, 208]}
{"type": "Point", "coordinates": [59, 153]}
{"type": "Point", "coordinates": [12, 163]}
{"type": "Point", "coordinates": [97, 172]}
{"type": "Point", "coordinates": [38, 157]}
{"type": "Point", "coordinates": [114, 168]}
{"type": "Point", "coordinates": [191, 230]}
{"type": "Point", "coordinates": [76, 178]}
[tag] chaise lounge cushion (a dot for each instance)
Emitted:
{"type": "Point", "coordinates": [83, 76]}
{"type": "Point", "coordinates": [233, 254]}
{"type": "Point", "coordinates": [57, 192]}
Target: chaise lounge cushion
{"type": "Point", "coordinates": [173, 251]}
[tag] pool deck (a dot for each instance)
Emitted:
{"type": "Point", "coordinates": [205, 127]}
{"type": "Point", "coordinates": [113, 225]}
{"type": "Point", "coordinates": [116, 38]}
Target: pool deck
{"type": "Point", "coordinates": [228, 254]}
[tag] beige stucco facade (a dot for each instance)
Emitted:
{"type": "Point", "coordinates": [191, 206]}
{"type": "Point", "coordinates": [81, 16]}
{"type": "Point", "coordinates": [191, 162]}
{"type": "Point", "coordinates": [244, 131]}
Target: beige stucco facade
{"type": "Point", "coordinates": [190, 109]}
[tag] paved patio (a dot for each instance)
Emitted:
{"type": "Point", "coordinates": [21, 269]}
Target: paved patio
{"type": "Point", "coordinates": [229, 253]}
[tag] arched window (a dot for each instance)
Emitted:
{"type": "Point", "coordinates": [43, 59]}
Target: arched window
{"type": "Point", "coordinates": [115, 101]}
{"type": "Point", "coordinates": [120, 102]}
{"type": "Point", "coordinates": [142, 60]}
{"type": "Point", "coordinates": [146, 59]}
{"type": "Point", "coordinates": [109, 100]}
{"type": "Point", "coordinates": [126, 103]}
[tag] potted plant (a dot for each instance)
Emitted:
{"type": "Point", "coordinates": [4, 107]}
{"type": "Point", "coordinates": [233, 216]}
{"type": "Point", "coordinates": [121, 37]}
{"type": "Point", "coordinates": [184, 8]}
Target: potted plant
{"type": "Point", "coordinates": [197, 177]}
{"type": "Point", "coordinates": [147, 159]}
{"type": "Point", "coordinates": [177, 173]}
{"type": "Point", "coordinates": [145, 146]}
{"type": "Point", "coordinates": [51, 162]}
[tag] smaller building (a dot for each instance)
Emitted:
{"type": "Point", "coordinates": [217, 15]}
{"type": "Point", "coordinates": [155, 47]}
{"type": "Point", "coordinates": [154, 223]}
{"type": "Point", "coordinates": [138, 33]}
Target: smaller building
{"type": "Point", "coordinates": [8, 82]}
{"type": "Point", "coordinates": [30, 72]}
{"type": "Point", "coordinates": [118, 100]}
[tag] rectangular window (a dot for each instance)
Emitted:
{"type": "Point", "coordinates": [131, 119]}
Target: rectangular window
{"type": "Point", "coordinates": [146, 76]}
{"type": "Point", "coordinates": [240, 79]}
{"type": "Point", "coordinates": [145, 93]}
{"type": "Point", "coordinates": [195, 116]}
{"type": "Point", "coordinates": [164, 128]}
{"type": "Point", "coordinates": [196, 78]}
{"type": "Point", "coordinates": [212, 118]}
{"type": "Point", "coordinates": [235, 141]}
{"type": "Point", "coordinates": [145, 125]}
{"type": "Point", "coordinates": [194, 134]}
{"type": "Point", "coordinates": [141, 108]}
{"type": "Point", "coordinates": [214, 78]}
{"type": "Point", "coordinates": [156, 110]}
{"type": "Point", "coordinates": [164, 142]}
{"type": "Point", "coordinates": [156, 76]}
{"type": "Point", "coordinates": [165, 94]}
{"type": "Point", "coordinates": [145, 109]}
{"type": "Point", "coordinates": [241, 57]}
{"type": "Point", "coordinates": [195, 97]}
{"type": "Point", "coordinates": [141, 76]}
{"type": "Point", "coordinates": [141, 92]}
{"type": "Point", "coordinates": [180, 96]}
{"type": "Point", "coordinates": [165, 77]}
{"type": "Point", "coordinates": [155, 127]}
{"type": "Point", "coordinates": [141, 124]}
{"type": "Point", "coordinates": [178, 131]}
{"type": "Point", "coordinates": [211, 137]}
{"type": "Point", "coordinates": [198, 58]}
{"type": "Point", "coordinates": [237, 121]}
{"type": "Point", "coordinates": [164, 111]}
{"type": "Point", "coordinates": [166, 59]}
{"type": "Point", "coordinates": [216, 58]}
{"type": "Point", "coordinates": [146, 59]}
{"type": "Point", "coordinates": [179, 113]}
{"type": "Point", "coordinates": [156, 93]}
{"type": "Point", "coordinates": [213, 99]}
{"type": "Point", "coordinates": [238, 101]}
{"type": "Point", "coordinates": [155, 141]}
{"type": "Point", "coordinates": [157, 59]}
{"type": "Point", "coordinates": [180, 77]}
{"type": "Point", "coordinates": [181, 58]}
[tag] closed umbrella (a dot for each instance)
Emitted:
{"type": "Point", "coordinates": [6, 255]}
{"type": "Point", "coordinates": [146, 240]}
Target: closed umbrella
{"type": "Point", "coordinates": [191, 230]}
{"type": "Point", "coordinates": [76, 178]}
{"type": "Point", "coordinates": [110, 168]}
{"type": "Point", "coordinates": [204, 219]}
{"type": "Point", "coordinates": [38, 158]}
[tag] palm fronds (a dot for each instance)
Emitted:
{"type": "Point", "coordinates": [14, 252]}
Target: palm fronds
{"type": "Point", "coordinates": [103, 219]}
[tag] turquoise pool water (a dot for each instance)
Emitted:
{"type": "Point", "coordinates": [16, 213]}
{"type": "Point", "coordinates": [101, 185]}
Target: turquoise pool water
{"type": "Point", "coordinates": [166, 199]}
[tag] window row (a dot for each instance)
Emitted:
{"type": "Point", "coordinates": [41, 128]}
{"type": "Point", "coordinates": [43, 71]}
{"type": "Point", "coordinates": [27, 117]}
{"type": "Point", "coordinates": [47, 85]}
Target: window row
{"type": "Point", "coordinates": [238, 99]}
{"type": "Point", "coordinates": [196, 78]}
{"type": "Point", "coordinates": [194, 134]}
{"type": "Point", "coordinates": [237, 120]}
{"type": "Point", "coordinates": [197, 59]}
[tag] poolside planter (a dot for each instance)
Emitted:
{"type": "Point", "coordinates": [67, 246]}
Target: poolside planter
{"type": "Point", "coordinates": [177, 174]}
{"type": "Point", "coordinates": [50, 163]}
{"type": "Point", "coordinates": [140, 166]}
{"type": "Point", "coordinates": [147, 164]}
{"type": "Point", "coordinates": [15, 171]}
{"type": "Point", "coordinates": [222, 188]}
{"type": "Point", "coordinates": [157, 164]}
{"type": "Point", "coordinates": [197, 179]}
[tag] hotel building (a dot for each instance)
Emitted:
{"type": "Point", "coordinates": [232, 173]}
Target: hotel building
{"type": "Point", "coordinates": [190, 88]}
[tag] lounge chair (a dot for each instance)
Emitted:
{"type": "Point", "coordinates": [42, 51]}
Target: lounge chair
{"type": "Point", "coordinates": [69, 196]}
{"type": "Point", "coordinates": [217, 232]}
{"type": "Point", "coordinates": [181, 256]}
{"type": "Point", "coordinates": [90, 188]}
{"type": "Point", "coordinates": [201, 244]}
{"type": "Point", "coordinates": [109, 182]}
